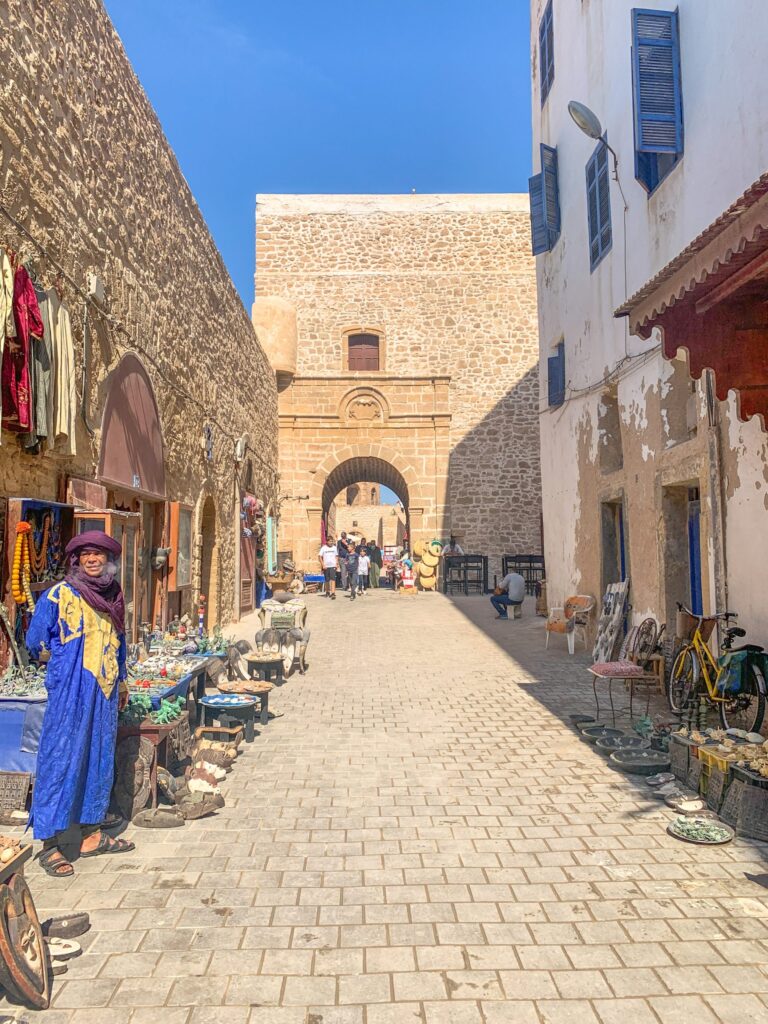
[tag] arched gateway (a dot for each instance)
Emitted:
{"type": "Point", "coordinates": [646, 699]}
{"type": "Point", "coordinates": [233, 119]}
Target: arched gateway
{"type": "Point", "coordinates": [349, 464]}
{"type": "Point", "coordinates": [403, 334]}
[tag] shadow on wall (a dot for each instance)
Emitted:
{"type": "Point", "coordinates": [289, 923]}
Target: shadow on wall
{"type": "Point", "coordinates": [494, 477]}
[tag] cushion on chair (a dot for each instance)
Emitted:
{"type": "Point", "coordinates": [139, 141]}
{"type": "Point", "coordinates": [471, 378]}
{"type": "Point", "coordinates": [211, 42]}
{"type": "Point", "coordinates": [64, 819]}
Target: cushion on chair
{"type": "Point", "coordinates": [616, 669]}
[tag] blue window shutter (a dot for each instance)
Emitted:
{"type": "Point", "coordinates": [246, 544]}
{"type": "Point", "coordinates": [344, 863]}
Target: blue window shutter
{"type": "Point", "coordinates": [539, 233]}
{"type": "Point", "coordinates": [550, 193]}
{"type": "Point", "coordinates": [556, 377]}
{"type": "Point", "coordinates": [657, 84]}
{"type": "Point", "coordinates": [552, 379]}
{"type": "Point", "coordinates": [599, 205]}
{"type": "Point", "coordinates": [546, 52]}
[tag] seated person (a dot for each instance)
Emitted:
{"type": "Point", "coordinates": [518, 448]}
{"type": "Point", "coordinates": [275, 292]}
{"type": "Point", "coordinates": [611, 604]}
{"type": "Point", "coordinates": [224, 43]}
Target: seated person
{"type": "Point", "coordinates": [452, 549]}
{"type": "Point", "coordinates": [511, 591]}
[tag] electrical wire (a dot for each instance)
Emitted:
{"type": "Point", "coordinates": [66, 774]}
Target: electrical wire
{"type": "Point", "coordinates": [116, 325]}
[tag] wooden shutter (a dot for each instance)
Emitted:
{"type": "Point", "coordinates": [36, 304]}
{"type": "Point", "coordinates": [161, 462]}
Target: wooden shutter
{"type": "Point", "coordinates": [599, 205]}
{"type": "Point", "coordinates": [546, 52]}
{"type": "Point", "coordinates": [657, 84]}
{"type": "Point", "coordinates": [551, 196]}
{"type": "Point", "coordinates": [539, 233]}
{"type": "Point", "coordinates": [363, 352]}
{"type": "Point", "coordinates": [556, 376]}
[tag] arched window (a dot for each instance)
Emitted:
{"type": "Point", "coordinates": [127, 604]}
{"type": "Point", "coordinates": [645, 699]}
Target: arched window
{"type": "Point", "coordinates": [363, 352]}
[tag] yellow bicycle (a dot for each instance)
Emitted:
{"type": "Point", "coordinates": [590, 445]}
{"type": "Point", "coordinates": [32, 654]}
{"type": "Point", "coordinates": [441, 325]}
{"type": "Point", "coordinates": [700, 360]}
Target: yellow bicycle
{"type": "Point", "coordinates": [696, 673]}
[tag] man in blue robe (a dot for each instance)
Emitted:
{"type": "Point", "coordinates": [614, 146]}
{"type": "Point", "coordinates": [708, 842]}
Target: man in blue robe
{"type": "Point", "coordinates": [80, 625]}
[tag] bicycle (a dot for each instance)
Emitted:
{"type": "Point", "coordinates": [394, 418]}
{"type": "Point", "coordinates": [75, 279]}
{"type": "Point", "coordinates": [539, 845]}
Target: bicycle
{"type": "Point", "coordinates": [696, 665]}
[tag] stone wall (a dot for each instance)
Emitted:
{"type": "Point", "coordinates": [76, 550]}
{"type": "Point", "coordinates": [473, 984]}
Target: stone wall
{"type": "Point", "coordinates": [383, 523]}
{"type": "Point", "coordinates": [86, 169]}
{"type": "Point", "coordinates": [448, 283]}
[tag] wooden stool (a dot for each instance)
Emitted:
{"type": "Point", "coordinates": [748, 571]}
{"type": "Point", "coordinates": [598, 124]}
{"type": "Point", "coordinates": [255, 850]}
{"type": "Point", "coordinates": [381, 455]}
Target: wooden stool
{"type": "Point", "coordinates": [252, 688]}
{"type": "Point", "coordinates": [269, 670]}
{"type": "Point", "coordinates": [243, 713]}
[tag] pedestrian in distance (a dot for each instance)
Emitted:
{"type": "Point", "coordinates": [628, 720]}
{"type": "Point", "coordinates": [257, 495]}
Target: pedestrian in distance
{"type": "Point", "coordinates": [377, 562]}
{"type": "Point", "coordinates": [363, 568]}
{"type": "Point", "coordinates": [342, 549]}
{"type": "Point", "coordinates": [353, 561]}
{"type": "Point", "coordinates": [510, 591]}
{"type": "Point", "coordinates": [329, 561]}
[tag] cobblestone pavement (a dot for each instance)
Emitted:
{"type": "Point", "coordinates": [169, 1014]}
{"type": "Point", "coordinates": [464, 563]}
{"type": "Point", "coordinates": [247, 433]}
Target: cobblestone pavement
{"type": "Point", "coordinates": [420, 837]}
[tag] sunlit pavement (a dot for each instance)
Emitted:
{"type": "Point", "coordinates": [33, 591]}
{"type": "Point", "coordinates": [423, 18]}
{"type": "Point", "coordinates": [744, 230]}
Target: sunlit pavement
{"type": "Point", "coordinates": [418, 835]}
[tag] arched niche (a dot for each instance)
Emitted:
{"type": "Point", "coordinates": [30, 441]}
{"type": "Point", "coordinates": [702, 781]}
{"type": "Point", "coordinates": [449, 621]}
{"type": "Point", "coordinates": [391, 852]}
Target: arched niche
{"type": "Point", "coordinates": [131, 456]}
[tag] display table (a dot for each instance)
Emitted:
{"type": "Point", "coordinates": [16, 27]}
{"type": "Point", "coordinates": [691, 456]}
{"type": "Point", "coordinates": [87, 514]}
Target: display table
{"type": "Point", "coordinates": [159, 736]}
{"type": "Point", "coordinates": [21, 719]}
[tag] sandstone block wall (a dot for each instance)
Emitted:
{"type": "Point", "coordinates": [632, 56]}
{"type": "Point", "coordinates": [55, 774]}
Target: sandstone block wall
{"type": "Point", "coordinates": [449, 284]}
{"type": "Point", "coordinates": [86, 168]}
{"type": "Point", "coordinates": [383, 523]}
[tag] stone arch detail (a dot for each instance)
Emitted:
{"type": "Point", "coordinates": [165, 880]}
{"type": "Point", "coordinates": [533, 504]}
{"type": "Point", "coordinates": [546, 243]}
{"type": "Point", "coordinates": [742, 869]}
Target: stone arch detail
{"type": "Point", "coordinates": [416, 495]}
{"type": "Point", "coordinates": [364, 405]}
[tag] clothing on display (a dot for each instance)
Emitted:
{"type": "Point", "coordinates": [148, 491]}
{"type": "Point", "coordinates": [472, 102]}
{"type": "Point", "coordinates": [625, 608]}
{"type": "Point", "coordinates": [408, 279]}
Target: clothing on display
{"type": "Point", "coordinates": [41, 373]}
{"type": "Point", "coordinates": [16, 377]}
{"type": "Point", "coordinates": [64, 387]}
{"type": "Point", "coordinates": [38, 391]}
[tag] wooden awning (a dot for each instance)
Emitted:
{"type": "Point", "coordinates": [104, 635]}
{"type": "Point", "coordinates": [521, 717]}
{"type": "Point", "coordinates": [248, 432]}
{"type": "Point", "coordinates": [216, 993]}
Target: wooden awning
{"type": "Point", "coordinates": [712, 301]}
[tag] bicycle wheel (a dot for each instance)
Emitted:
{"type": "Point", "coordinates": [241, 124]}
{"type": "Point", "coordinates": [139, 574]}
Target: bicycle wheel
{"type": "Point", "coordinates": [682, 682]}
{"type": "Point", "coordinates": [745, 709]}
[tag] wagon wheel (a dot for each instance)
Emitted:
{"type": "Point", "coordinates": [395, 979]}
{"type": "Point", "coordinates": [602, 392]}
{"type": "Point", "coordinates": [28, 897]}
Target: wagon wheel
{"type": "Point", "coordinates": [24, 971]}
{"type": "Point", "coordinates": [645, 641]}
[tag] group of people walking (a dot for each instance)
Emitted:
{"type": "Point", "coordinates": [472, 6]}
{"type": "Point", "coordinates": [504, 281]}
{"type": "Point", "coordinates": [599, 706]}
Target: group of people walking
{"type": "Point", "coordinates": [358, 565]}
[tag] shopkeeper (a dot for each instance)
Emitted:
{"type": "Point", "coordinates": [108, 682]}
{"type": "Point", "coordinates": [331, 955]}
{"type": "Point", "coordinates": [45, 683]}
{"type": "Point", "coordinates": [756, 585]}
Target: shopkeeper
{"type": "Point", "coordinates": [80, 623]}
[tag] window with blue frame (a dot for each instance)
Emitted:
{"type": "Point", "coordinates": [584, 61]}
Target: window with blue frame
{"type": "Point", "coordinates": [543, 192]}
{"type": "Point", "coordinates": [556, 377]}
{"type": "Point", "coordinates": [546, 52]}
{"type": "Point", "coordinates": [658, 95]}
{"type": "Point", "coordinates": [599, 205]}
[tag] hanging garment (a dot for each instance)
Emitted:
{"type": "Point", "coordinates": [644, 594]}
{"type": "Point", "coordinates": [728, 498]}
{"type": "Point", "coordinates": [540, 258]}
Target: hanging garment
{"type": "Point", "coordinates": [75, 761]}
{"type": "Point", "coordinates": [7, 326]}
{"type": "Point", "coordinates": [64, 385]}
{"type": "Point", "coordinates": [41, 372]}
{"type": "Point", "coordinates": [16, 379]}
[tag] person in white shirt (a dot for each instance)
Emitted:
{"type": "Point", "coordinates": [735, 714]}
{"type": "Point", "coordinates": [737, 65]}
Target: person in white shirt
{"type": "Point", "coordinates": [363, 568]}
{"type": "Point", "coordinates": [452, 549]}
{"type": "Point", "coordinates": [511, 591]}
{"type": "Point", "coordinates": [329, 560]}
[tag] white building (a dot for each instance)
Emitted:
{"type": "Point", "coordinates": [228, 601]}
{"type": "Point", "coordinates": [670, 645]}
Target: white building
{"type": "Point", "coordinates": [645, 472]}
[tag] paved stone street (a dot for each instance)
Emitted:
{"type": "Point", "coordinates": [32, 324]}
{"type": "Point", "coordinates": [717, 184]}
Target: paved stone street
{"type": "Point", "coordinates": [419, 836]}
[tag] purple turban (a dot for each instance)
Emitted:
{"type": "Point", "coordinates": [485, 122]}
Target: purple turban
{"type": "Point", "coordinates": [103, 592]}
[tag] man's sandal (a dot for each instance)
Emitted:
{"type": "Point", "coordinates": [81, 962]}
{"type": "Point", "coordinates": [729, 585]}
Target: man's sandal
{"type": "Point", "coordinates": [108, 844]}
{"type": "Point", "coordinates": [54, 863]}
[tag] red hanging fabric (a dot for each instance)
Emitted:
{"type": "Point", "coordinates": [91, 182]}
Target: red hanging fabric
{"type": "Point", "coordinates": [16, 382]}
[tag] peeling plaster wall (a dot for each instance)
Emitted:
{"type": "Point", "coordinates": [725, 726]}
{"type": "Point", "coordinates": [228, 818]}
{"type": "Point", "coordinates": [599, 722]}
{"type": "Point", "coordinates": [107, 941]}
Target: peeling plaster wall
{"type": "Point", "coordinates": [745, 484]}
{"type": "Point", "coordinates": [726, 140]}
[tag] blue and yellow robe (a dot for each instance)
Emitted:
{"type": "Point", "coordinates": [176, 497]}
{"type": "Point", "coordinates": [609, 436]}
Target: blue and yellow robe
{"type": "Point", "coordinates": [86, 670]}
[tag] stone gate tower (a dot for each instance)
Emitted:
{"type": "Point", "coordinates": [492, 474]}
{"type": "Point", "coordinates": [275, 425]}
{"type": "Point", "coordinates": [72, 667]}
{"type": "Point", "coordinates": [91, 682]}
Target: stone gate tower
{"type": "Point", "coordinates": [403, 332]}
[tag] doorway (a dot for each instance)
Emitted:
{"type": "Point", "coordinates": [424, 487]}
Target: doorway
{"type": "Point", "coordinates": [681, 512]}
{"type": "Point", "coordinates": [615, 542]}
{"type": "Point", "coordinates": [209, 564]}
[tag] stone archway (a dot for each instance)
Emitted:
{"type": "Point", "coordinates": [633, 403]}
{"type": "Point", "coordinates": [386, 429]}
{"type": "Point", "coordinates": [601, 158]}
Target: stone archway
{"type": "Point", "coordinates": [345, 477]}
{"type": "Point", "coordinates": [353, 463]}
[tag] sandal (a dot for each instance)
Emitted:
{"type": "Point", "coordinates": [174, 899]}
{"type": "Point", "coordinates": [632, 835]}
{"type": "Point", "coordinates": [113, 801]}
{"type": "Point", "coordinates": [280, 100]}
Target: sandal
{"type": "Point", "coordinates": [63, 949]}
{"type": "Point", "coordinates": [107, 844]}
{"type": "Point", "coordinates": [54, 863]}
{"type": "Point", "coordinates": [112, 821]}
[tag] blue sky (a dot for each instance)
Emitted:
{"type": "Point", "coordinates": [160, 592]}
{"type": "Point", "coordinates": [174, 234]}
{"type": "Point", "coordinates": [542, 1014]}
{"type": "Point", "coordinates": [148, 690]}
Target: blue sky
{"type": "Point", "coordinates": [341, 96]}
